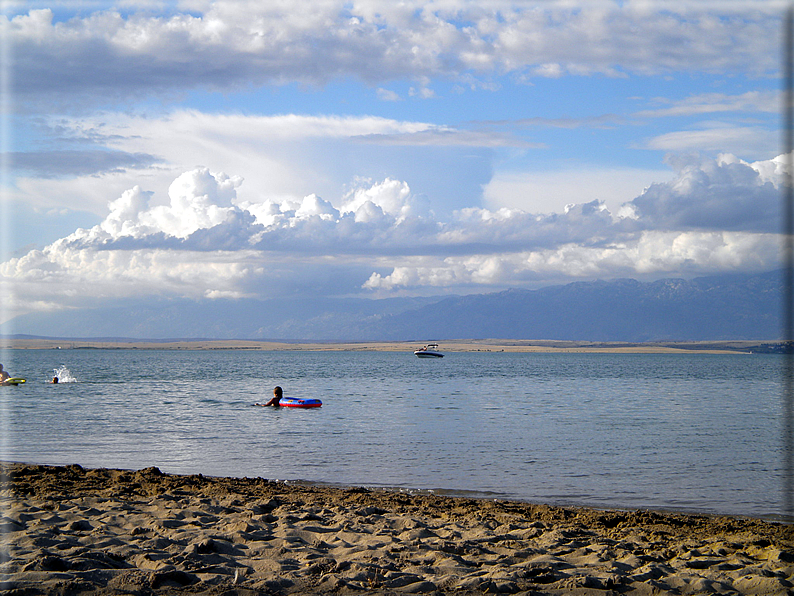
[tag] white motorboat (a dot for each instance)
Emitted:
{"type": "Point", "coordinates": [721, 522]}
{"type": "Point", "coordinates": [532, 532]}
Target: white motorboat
{"type": "Point", "coordinates": [429, 351]}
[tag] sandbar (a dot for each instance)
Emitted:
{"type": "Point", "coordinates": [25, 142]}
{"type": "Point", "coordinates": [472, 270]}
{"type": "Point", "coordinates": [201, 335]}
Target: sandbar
{"type": "Point", "coordinates": [447, 346]}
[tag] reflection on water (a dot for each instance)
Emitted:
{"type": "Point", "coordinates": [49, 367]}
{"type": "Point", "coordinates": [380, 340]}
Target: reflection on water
{"type": "Point", "coordinates": [685, 431]}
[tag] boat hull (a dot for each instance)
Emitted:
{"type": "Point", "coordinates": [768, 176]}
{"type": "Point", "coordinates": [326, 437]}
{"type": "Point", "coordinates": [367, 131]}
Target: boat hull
{"type": "Point", "coordinates": [428, 354]}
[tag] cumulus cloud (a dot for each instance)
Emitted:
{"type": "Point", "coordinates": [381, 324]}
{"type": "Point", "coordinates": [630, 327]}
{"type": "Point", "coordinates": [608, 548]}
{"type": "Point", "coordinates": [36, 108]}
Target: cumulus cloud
{"type": "Point", "coordinates": [718, 214]}
{"type": "Point", "coordinates": [374, 217]}
{"type": "Point", "coordinates": [226, 44]}
{"type": "Point", "coordinates": [391, 197]}
{"type": "Point", "coordinates": [379, 236]}
{"type": "Point", "coordinates": [723, 194]}
{"type": "Point", "coordinates": [199, 200]}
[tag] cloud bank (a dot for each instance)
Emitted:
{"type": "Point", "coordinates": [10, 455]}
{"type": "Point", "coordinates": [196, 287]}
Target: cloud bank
{"type": "Point", "coordinates": [380, 238]}
{"type": "Point", "coordinates": [373, 148]}
{"type": "Point", "coordinates": [226, 45]}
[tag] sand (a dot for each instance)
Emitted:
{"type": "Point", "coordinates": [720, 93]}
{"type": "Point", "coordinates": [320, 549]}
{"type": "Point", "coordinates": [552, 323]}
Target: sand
{"type": "Point", "coordinates": [69, 530]}
{"type": "Point", "coordinates": [448, 346]}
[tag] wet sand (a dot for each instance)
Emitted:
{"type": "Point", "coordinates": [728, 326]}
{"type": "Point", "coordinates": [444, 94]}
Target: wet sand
{"type": "Point", "coordinates": [69, 530]}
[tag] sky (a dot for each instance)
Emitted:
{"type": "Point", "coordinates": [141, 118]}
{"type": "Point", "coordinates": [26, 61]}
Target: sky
{"type": "Point", "coordinates": [380, 148]}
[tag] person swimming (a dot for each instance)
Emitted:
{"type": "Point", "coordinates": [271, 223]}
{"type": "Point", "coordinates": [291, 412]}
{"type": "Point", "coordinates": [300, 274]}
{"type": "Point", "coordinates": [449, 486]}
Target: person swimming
{"type": "Point", "coordinates": [54, 380]}
{"type": "Point", "coordinates": [4, 376]}
{"type": "Point", "coordinates": [277, 395]}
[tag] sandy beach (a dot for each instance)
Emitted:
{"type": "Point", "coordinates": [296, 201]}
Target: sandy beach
{"type": "Point", "coordinates": [69, 530]}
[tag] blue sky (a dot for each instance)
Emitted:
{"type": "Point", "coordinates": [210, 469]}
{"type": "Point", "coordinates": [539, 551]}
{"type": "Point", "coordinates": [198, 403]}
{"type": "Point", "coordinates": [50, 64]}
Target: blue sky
{"type": "Point", "coordinates": [209, 149]}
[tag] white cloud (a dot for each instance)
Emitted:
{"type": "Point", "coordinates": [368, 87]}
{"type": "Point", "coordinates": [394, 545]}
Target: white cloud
{"type": "Point", "coordinates": [333, 203]}
{"type": "Point", "coordinates": [655, 254]}
{"type": "Point", "coordinates": [720, 137]}
{"type": "Point", "coordinates": [229, 44]}
{"type": "Point", "coordinates": [123, 219]}
{"type": "Point", "coordinates": [388, 95]}
{"type": "Point", "coordinates": [720, 194]}
{"type": "Point", "coordinates": [421, 92]}
{"type": "Point", "coordinates": [710, 103]}
{"type": "Point", "coordinates": [198, 200]}
{"type": "Point", "coordinates": [551, 71]}
{"type": "Point", "coordinates": [287, 155]}
{"type": "Point", "coordinates": [714, 215]}
{"type": "Point", "coordinates": [203, 214]}
{"type": "Point", "coordinates": [314, 206]}
{"type": "Point", "coordinates": [69, 276]}
{"type": "Point", "coordinates": [392, 197]}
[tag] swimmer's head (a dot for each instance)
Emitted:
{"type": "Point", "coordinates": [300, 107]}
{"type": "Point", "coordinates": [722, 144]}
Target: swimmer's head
{"type": "Point", "coordinates": [277, 391]}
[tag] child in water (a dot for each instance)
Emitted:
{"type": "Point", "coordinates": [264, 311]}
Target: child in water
{"type": "Point", "coordinates": [277, 394]}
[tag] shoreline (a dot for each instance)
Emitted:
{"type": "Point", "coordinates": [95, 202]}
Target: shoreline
{"type": "Point", "coordinates": [103, 531]}
{"type": "Point", "coordinates": [448, 346]}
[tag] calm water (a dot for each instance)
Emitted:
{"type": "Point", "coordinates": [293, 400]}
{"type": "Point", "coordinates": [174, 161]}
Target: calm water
{"type": "Point", "coordinates": [690, 432]}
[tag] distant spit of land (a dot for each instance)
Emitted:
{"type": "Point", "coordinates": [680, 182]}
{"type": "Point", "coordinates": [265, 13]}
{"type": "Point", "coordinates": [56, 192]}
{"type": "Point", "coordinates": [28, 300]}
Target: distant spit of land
{"type": "Point", "coordinates": [457, 345]}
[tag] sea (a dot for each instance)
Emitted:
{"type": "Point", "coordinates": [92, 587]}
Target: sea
{"type": "Point", "coordinates": [691, 432]}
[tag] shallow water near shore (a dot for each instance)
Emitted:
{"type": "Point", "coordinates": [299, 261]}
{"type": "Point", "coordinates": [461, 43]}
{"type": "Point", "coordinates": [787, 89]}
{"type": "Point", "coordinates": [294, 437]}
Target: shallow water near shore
{"type": "Point", "coordinates": [692, 432]}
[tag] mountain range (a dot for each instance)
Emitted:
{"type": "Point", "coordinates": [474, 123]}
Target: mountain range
{"type": "Point", "coordinates": [724, 307]}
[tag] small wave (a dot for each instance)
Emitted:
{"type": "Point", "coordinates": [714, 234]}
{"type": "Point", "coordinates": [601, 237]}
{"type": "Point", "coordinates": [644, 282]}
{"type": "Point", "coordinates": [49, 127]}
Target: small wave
{"type": "Point", "coordinates": [64, 375]}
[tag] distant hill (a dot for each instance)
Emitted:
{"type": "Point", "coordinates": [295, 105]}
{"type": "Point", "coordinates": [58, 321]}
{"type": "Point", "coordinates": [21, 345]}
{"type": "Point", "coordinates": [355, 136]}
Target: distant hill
{"type": "Point", "coordinates": [725, 307]}
{"type": "Point", "coordinates": [289, 318]}
{"type": "Point", "coordinates": [703, 309]}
